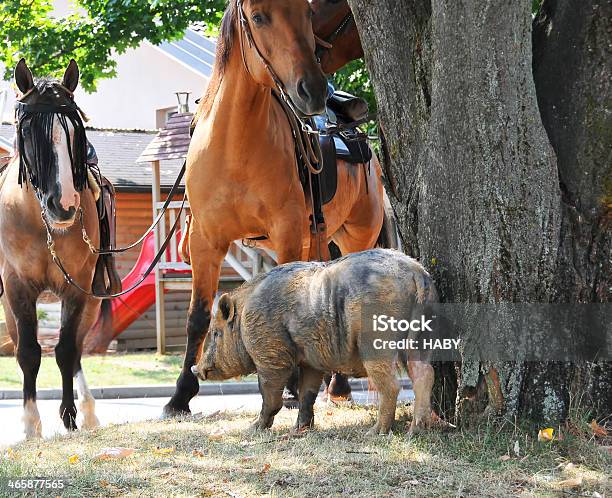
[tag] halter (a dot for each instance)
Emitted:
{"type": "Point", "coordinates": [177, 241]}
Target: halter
{"type": "Point", "coordinates": [327, 43]}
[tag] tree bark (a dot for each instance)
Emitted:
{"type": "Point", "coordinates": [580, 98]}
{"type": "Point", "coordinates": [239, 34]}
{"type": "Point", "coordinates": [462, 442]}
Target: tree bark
{"type": "Point", "coordinates": [572, 71]}
{"type": "Point", "coordinates": [474, 180]}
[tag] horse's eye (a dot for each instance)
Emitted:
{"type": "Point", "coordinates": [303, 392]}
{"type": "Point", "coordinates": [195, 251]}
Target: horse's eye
{"type": "Point", "coordinates": [258, 19]}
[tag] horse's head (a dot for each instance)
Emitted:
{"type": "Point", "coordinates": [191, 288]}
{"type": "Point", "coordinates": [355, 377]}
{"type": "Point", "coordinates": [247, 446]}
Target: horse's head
{"type": "Point", "coordinates": [333, 23]}
{"type": "Point", "coordinates": [280, 35]}
{"type": "Point", "coordinates": [51, 142]}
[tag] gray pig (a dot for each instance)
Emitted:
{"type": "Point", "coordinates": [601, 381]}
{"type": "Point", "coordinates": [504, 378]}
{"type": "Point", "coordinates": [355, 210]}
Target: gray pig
{"type": "Point", "coordinates": [309, 315]}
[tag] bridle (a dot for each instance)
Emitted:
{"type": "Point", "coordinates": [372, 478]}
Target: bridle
{"type": "Point", "coordinates": [305, 133]}
{"type": "Point", "coordinates": [301, 125]}
{"type": "Point", "coordinates": [327, 43]}
{"type": "Point", "coordinates": [21, 109]}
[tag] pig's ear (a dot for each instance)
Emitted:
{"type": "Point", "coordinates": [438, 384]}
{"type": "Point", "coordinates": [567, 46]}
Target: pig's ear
{"type": "Point", "coordinates": [227, 307]}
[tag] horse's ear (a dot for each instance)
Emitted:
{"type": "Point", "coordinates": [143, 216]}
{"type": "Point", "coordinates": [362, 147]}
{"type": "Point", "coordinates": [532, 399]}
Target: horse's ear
{"type": "Point", "coordinates": [71, 76]}
{"type": "Point", "coordinates": [23, 77]}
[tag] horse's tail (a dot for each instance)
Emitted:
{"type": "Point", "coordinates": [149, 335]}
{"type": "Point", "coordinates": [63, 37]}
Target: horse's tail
{"type": "Point", "coordinates": [101, 334]}
{"type": "Point", "coordinates": [388, 237]}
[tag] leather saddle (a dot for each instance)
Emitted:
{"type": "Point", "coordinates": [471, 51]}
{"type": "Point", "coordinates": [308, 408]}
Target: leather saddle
{"type": "Point", "coordinates": [106, 280]}
{"type": "Point", "coordinates": [340, 138]}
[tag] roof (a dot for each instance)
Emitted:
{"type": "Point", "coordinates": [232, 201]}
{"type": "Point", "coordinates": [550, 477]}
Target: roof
{"type": "Point", "coordinates": [118, 151]}
{"type": "Point", "coordinates": [172, 141]}
{"type": "Point", "coordinates": [194, 50]}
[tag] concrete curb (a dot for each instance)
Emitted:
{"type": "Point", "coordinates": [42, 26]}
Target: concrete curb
{"type": "Point", "coordinates": [165, 391]}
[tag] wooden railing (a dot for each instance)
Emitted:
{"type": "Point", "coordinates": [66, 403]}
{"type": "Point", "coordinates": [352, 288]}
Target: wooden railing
{"type": "Point", "coordinates": [241, 264]}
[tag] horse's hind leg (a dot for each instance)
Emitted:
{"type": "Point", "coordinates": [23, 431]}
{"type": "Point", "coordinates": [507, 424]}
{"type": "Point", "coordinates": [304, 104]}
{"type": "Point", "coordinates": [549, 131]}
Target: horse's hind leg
{"type": "Point", "coordinates": [66, 356]}
{"type": "Point", "coordinates": [22, 302]}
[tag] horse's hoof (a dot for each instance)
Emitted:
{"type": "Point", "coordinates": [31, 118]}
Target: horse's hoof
{"type": "Point", "coordinates": [34, 433]}
{"type": "Point", "coordinates": [171, 411]}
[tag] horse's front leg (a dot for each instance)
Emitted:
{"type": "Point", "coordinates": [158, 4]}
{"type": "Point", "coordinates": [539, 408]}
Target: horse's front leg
{"type": "Point", "coordinates": [22, 302]}
{"type": "Point", "coordinates": [67, 355]}
{"type": "Point", "coordinates": [87, 403]}
{"type": "Point", "coordinates": [206, 261]}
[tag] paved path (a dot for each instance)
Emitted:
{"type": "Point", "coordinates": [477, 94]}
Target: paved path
{"type": "Point", "coordinates": [118, 411]}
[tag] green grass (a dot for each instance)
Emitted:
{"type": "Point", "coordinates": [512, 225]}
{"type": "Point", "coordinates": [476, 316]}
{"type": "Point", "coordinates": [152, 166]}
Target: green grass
{"type": "Point", "coordinates": [114, 369]}
{"type": "Point", "coordinates": [110, 370]}
{"type": "Point", "coordinates": [220, 456]}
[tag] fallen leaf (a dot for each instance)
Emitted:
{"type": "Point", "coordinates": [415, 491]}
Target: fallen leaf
{"type": "Point", "coordinates": [598, 430]}
{"type": "Point", "coordinates": [517, 448]}
{"type": "Point", "coordinates": [247, 458]}
{"type": "Point", "coordinates": [546, 434]}
{"type": "Point", "coordinates": [571, 483]}
{"type": "Point", "coordinates": [164, 451]}
{"type": "Point", "coordinates": [104, 483]}
{"type": "Point", "coordinates": [73, 459]}
{"type": "Point", "coordinates": [504, 458]}
{"type": "Point", "coordinates": [329, 413]}
{"type": "Point", "coordinates": [114, 453]}
{"type": "Point", "coordinates": [265, 468]}
{"type": "Point", "coordinates": [198, 453]}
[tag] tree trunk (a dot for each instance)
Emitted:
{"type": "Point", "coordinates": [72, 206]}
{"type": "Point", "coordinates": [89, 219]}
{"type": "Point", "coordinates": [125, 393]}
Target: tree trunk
{"type": "Point", "coordinates": [473, 178]}
{"type": "Point", "coordinates": [572, 71]}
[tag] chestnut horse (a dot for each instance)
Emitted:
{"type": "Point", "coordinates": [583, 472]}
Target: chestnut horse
{"type": "Point", "coordinates": [242, 176]}
{"type": "Point", "coordinates": [43, 190]}
{"type": "Point", "coordinates": [333, 22]}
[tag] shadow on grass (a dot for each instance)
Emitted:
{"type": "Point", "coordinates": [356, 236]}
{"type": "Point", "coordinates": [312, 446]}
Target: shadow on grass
{"type": "Point", "coordinates": [212, 456]}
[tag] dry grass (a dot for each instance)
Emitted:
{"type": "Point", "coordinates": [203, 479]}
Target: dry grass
{"type": "Point", "coordinates": [219, 456]}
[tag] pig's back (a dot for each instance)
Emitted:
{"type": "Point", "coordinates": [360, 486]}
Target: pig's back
{"type": "Point", "coordinates": [318, 307]}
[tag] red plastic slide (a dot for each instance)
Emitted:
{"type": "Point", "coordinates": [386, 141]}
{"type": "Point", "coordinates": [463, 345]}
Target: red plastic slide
{"type": "Point", "coordinates": [127, 308]}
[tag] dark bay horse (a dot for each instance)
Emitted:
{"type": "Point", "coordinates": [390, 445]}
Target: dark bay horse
{"type": "Point", "coordinates": [242, 175]}
{"type": "Point", "coordinates": [333, 22]}
{"type": "Point", "coordinates": [46, 183]}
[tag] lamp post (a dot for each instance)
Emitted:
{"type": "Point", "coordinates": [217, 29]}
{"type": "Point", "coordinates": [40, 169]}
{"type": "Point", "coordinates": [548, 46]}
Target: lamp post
{"type": "Point", "coordinates": [183, 101]}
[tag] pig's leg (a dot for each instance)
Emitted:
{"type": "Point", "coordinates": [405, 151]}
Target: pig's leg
{"type": "Point", "coordinates": [422, 376]}
{"type": "Point", "coordinates": [310, 383]}
{"type": "Point", "coordinates": [271, 384]}
{"type": "Point", "coordinates": [382, 374]}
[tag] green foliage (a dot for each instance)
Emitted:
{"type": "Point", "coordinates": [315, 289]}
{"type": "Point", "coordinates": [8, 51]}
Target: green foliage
{"type": "Point", "coordinates": [94, 33]}
{"type": "Point", "coordinates": [354, 78]}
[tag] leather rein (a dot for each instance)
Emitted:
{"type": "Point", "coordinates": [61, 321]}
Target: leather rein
{"type": "Point", "coordinates": [20, 105]}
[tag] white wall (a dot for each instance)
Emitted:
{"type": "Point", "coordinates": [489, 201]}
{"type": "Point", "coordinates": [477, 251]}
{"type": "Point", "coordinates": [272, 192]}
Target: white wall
{"type": "Point", "coordinates": [146, 81]}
